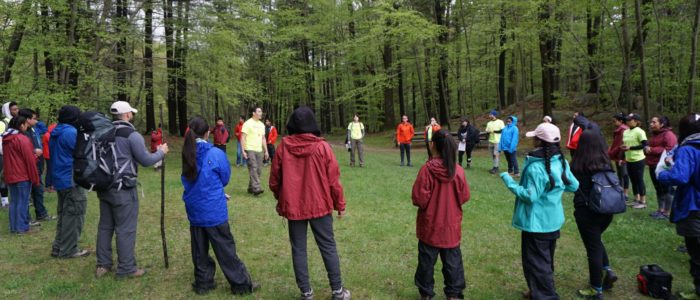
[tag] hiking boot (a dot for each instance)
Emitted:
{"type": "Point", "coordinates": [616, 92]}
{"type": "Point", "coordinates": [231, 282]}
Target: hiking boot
{"type": "Point", "coordinates": [590, 293]}
{"type": "Point", "coordinates": [101, 272]}
{"type": "Point", "coordinates": [204, 288]}
{"type": "Point", "coordinates": [639, 205]}
{"type": "Point", "coordinates": [341, 294]}
{"type": "Point", "coordinates": [307, 295]}
{"type": "Point", "coordinates": [609, 279]}
{"type": "Point", "coordinates": [78, 254]}
{"type": "Point", "coordinates": [135, 274]}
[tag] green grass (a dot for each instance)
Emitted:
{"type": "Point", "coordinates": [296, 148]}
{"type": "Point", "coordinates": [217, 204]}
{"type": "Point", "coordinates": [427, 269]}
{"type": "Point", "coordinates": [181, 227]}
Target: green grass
{"type": "Point", "coordinates": [376, 241]}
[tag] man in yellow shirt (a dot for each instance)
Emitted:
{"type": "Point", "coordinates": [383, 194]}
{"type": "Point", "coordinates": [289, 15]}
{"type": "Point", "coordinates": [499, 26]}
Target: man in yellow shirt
{"type": "Point", "coordinates": [494, 128]}
{"type": "Point", "coordinates": [254, 149]}
{"type": "Point", "coordinates": [356, 132]}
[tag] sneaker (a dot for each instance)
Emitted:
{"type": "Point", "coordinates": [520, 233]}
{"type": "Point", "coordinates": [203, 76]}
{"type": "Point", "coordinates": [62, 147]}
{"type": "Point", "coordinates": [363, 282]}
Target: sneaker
{"type": "Point", "coordinates": [204, 288]}
{"type": "Point", "coordinates": [101, 272]}
{"type": "Point", "coordinates": [342, 294]}
{"type": "Point", "coordinates": [352, 164]}
{"type": "Point", "coordinates": [78, 254]}
{"type": "Point", "coordinates": [307, 295]}
{"type": "Point", "coordinates": [46, 218]}
{"type": "Point", "coordinates": [409, 165]}
{"type": "Point", "coordinates": [257, 193]}
{"type": "Point", "coordinates": [135, 274]}
{"type": "Point", "coordinates": [639, 205]}
{"type": "Point", "coordinates": [516, 175]}
{"type": "Point", "coordinates": [660, 216]}
{"type": "Point", "coordinates": [631, 202]}
{"type": "Point", "coordinates": [493, 171]}
{"type": "Point", "coordinates": [469, 166]}
{"type": "Point", "coordinates": [34, 223]}
{"type": "Point", "coordinates": [609, 279]}
{"type": "Point", "coordinates": [655, 214]}
{"type": "Point", "coordinates": [590, 293]}
{"type": "Point", "coordinates": [401, 165]}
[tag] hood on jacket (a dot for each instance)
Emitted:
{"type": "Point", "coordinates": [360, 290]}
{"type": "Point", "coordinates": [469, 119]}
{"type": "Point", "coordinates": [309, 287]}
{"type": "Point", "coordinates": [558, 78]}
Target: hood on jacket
{"type": "Point", "coordinates": [6, 110]}
{"type": "Point", "coordinates": [692, 139]}
{"type": "Point", "coordinates": [302, 145]}
{"type": "Point", "coordinates": [515, 121]}
{"type": "Point", "coordinates": [60, 128]}
{"type": "Point", "coordinates": [662, 131]}
{"type": "Point", "coordinates": [438, 170]}
{"type": "Point", "coordinates": [10, 134]}
{"type": "Point", "coordinates": [202, 149]}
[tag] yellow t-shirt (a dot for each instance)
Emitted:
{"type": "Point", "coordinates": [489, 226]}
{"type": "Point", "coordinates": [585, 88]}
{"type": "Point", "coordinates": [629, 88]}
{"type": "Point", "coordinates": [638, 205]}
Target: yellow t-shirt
{"type": "Point", "coordinates": [495, 125]}
{"type": "Point", "coordinates": [633, 138]}
{"type": "Point", "coordinates": [255, 131]}
{"type": "Point", "coordinates": [356, 130]}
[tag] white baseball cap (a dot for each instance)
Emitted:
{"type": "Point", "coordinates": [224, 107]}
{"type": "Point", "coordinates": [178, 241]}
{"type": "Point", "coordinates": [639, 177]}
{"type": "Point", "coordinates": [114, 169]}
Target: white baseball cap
{"type": "Point", "coordinates": [121, 107]}
{"type": "Point", "coordinates": [546, 132]}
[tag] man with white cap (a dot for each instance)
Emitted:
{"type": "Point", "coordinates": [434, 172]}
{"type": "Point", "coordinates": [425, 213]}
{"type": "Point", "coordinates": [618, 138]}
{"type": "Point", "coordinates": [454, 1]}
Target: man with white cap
{"type": "Point", "coordinates": [119, 206]}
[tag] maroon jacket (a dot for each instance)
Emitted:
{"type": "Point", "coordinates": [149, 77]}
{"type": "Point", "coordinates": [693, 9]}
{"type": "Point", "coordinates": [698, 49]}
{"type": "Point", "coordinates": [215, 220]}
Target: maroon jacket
{"type": "Point", "coordinates": [220, 135]}
{"type": "Point", "coordinates": [19, 158]}
{"type": "Point", "coordinates": [662, 140]}
{"type": "Point", "coordinates": [439, 199]}
{"type": "Point", "coordinates": [305, 178]}
{"type": "Point", "coordinates": [614, 151]}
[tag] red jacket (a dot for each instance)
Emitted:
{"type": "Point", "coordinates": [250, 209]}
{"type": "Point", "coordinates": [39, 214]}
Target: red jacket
{"type": "Point", "coordinates": [238, 131]}
{"type": "Point", "coordinates": [272, 136]}
{"type": "Point", "coordinates": [19, 157]}
{"type": "Point", "coordinates": [305, 178]}
{"type": "Point", "coordinates": [404, 133]}
{"type": "Point", "coordinates": [45, 141]}
{"type": "Point", "coordinates": [575, 132]}
{"type": "Point", "coordinates": [220, 135]}
{"type": "Point", "coordinates": [662, 140]}
{"type": "Point", "coordinates": [439, 199]}
{"type": "Point", "coordinates": [614, 151]}
{"type": "Point", "coordinates": [156, 139]}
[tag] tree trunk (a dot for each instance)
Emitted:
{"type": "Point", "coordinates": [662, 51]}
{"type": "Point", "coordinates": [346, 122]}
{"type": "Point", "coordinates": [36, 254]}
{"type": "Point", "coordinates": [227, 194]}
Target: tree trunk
{"type": "Point", "coordinates": [120, 66]}
{"type": "Point", "coordinates": [15, 42]}
{"type": "Point", "coordinates": [592, 31]}
{"type": "Point", "coordinates": [148, 64]}
{"type": "Point", "coordinates": [693, 59]}
{"type": "Point", "coordinates": [388, 59]}
{"type": "Point", "coordinates": [625, 96]}
{"type": "Point", "coordinates": [45, 28]}
{"type": "Point", "coordinates": [640, 36]}
{"type": "Point", "coordinates": [168, 21]}
{"type": "Point", "coordinates": [400, 90]}
{"type": "Point", "coordinates": [502, 61]}
{"type": "Point", "coordinates": [442, 87]}
{"type": "Point", "coordinates": [547, 45]}
{"type": "Point", "coordinates": [183, 8]}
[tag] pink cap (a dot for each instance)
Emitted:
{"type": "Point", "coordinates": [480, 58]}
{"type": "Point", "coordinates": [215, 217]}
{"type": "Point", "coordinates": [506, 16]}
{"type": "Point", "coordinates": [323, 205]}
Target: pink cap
{"type": "Point", "coordinates": [546, 132]}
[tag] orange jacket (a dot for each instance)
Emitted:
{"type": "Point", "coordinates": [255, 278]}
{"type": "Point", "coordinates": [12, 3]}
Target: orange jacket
{"type": "Point", "coordinates": [404, 133]}
{"type": "Point", "coordinates": [272, 136]}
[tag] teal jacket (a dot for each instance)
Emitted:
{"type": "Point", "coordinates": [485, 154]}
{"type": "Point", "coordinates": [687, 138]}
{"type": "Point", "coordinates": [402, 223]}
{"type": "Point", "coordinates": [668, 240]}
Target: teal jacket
{"type": "Point", "coordinates": [536, 209]}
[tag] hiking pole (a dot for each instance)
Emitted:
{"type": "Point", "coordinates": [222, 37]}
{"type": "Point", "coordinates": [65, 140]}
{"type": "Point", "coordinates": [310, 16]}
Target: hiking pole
{"type": "Point", "coordinates": [162, 197]}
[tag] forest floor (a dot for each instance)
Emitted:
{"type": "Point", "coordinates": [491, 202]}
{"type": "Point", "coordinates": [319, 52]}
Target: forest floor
{"type": "Point", "coordinates": [376, 241]}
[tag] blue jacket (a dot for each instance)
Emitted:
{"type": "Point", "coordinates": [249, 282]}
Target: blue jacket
{"type": "Point", "coordinates": [509, 137]}
{"type": "Point", "coordinates": [61, 145]}
{"type": "Point", "coordinates": [205, 200]}
{"type": "Point", "coordinates": [685, 175]}
{"type": "Point", "coordinates": [536, 209]}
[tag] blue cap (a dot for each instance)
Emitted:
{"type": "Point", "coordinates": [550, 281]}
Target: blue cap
{"type": "Point", "coordinates": [494, 113]}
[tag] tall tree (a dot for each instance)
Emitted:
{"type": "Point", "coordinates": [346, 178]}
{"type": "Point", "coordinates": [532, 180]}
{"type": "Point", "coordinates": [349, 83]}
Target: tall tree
{"type": "Point", "coordinates": [593, 21]}
{"type": "Point", "coordinates": [547, 42]}
{"type": "Point", "coordinates": [120, 64]}
{"type": "Point", "coordinates": [148, 64]}
{"type": "Point", "coordinates": [502, 59]}
{"type": "Point", "coordinates": [181, 49]}
{"type": "Point", "coordinates": [15, 42]}
{"type": "Point", "coordinates": [693, 59]}
{"type": "Point", "coordinates": [640, 53]}
{"type": "Point", "coordinates": [442, 87]}
{"type": "Point", "coordinates": [171, 101]}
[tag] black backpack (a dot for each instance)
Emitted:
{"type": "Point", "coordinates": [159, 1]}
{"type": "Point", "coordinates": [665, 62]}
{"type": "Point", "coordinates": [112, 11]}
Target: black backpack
{"type": "Point", "coordinates": [606, 196]}
{"type": "Point", "coordinates": [653, 281]}
{"type": "Point", "coordinates": [95, 164]}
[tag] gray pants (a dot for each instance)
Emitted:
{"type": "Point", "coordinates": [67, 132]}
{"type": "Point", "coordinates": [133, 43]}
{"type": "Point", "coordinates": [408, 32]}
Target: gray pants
{"type": "Point", "coordinates": [493, 150]}
{"type": "Point", "coordinates": [119, 213]}
{"type": "Point", "coordinates": [255, 164]}
{"type": "Point", "coordinates": [322, 229]}
{"type": "Point", "coordinates": [357, 147]}
{"type": "Point", "coordinates": [71, 218]}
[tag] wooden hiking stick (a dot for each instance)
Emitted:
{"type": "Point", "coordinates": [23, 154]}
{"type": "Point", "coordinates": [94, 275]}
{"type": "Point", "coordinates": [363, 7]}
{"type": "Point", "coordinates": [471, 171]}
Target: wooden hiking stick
{"type": "Point", "coordinates": [162, 197]}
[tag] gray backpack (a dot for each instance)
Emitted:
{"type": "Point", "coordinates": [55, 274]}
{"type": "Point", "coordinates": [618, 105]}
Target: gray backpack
{"type": "Point", "coordinates": [607, 196]}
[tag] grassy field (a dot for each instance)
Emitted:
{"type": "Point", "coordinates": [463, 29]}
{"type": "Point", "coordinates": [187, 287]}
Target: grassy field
{"type": "Point", "coordinates": [376, 241]}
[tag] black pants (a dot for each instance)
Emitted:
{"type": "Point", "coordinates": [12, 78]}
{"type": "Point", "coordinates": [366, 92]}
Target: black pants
{"type": "Point", "coordinates": [224, 246]}
{"type": "Point", "coordinates": [538, 263]}
{"type": "Point", "coordinates": [622, 174]}
{"type": "Point", "coordinates": [591, 227]}
{"type": "Point", "coordinates": [664, 193]}
{"type": "Point", "coordinates": [452, 270]}
{"type": "Point", "coordinates": [222, 147]}
{"type": "Point", "coordinates": [322, 229]}
{"type": "Point", "coordinates": [405, 148]}
{"type": "Point", "coordinates": [468, 150]}
{"type": "Point", "coordinates": [512, 159]}
{"type": "Point", "coordinates": [271, 152]}
{"type": "Point", "coordinates": [636, 173]}
{"type": "Point", "coordinates": [693, 245]}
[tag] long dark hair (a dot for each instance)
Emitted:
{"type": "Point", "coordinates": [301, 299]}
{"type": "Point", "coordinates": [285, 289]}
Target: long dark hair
{"type": "Point", "coordinates": [595, 157]}
{"type": "Point", "coordinates": [198, 127]}
{"type": "Point", "coordinates": [446, 146]}
{"type": "Point", "coordinates": [16, 122]}
{"type": "Point", "coordinates": [551, 149]}
{"type": "Point", "coordinates": [688, 126]}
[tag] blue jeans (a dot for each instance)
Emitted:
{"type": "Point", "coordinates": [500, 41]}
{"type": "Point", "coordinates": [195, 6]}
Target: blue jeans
{"type": "Point", "coordinates": [19, 206]}
{"type": "Point", "coordinates": [239, 155]}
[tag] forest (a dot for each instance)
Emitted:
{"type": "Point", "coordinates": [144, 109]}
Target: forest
{"type": "Point", "coordinates": [380, 59]}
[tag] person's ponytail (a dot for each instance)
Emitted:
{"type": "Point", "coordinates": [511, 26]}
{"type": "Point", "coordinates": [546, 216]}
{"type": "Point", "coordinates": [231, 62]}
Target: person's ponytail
{"type": "Point", "coordinates": [446, 146]}
{"type": "Point", "coordinates": [548, 165]}
{"type": "Point", "coordinates": [198, 127]}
